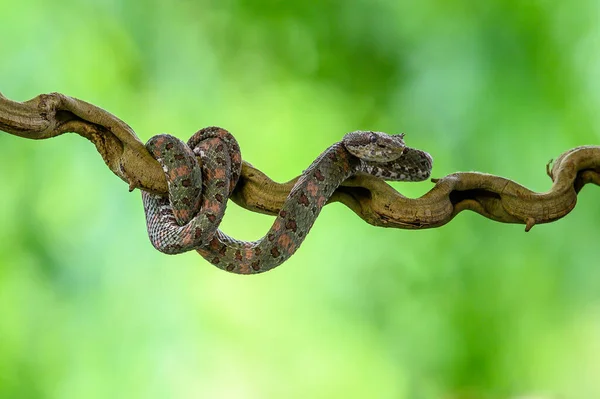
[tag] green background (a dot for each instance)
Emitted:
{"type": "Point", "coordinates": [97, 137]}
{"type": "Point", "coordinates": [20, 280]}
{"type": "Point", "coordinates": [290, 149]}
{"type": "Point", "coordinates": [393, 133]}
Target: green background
{"type": "Point", "coordinates": [475, 309]}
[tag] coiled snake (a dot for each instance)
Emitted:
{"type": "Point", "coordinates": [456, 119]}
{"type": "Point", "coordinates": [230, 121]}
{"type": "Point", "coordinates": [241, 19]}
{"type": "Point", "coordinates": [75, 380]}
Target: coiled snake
{"type": "Point", "coordinates": [189, 217]}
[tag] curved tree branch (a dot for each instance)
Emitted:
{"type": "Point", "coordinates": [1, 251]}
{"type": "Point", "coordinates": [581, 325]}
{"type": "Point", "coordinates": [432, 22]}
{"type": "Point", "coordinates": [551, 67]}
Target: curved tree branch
{"type": "Point", "coordinates": [376, 202]}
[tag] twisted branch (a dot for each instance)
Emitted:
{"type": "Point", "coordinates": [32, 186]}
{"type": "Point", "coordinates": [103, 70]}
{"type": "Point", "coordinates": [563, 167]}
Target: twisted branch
{"type": "Point", "coordinates": [376, 202]}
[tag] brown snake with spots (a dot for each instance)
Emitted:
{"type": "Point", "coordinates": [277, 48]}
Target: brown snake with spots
{"type": "Point", "coordinates": [189, 217]}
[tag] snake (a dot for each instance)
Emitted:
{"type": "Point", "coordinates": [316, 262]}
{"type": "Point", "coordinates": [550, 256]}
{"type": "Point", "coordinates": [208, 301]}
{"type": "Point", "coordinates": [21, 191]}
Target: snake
{"type": "Point", "coordinates": [187, 217]}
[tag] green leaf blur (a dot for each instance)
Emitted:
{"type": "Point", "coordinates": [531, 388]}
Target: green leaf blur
{"type": "Point", "coordinates": [475, 309]}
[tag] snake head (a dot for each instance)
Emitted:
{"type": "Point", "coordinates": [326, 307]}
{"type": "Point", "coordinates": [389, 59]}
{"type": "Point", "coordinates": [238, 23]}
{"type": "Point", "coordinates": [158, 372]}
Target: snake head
{"type": "Point", "coordinates": [374, 146]}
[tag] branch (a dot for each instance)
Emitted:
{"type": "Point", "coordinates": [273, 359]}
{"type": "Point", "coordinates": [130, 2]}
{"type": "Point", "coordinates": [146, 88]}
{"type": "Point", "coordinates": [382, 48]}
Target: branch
{"type": "Point", "coordinates": [376, 202]}
{"type": "Point", "coordinates": [50, 115]}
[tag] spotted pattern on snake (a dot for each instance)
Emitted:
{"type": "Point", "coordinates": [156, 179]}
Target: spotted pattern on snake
{"type": "Point", "coordinates": [176, 223]}
{"type": "Point", "coordinates": [189, 216]}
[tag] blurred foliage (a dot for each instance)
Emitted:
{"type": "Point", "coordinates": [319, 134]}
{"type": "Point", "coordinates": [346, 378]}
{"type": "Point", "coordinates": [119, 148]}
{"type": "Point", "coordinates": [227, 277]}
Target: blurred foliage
{"type": "Point", "coordinates": [476, 309]}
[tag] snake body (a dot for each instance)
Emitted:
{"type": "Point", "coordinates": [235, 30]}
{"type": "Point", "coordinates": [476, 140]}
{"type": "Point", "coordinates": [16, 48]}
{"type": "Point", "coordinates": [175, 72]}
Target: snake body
{"type": "Point", "coordinates": [189, 216]}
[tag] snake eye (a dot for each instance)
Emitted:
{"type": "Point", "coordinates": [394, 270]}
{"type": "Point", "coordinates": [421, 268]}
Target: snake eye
{"type": "Point", "coordinates": [373, 138]}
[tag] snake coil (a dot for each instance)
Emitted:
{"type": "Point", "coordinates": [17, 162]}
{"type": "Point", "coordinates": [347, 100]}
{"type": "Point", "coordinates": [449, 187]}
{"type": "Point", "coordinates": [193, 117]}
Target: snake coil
{"type": "Point", "coordinates": [188, 217]}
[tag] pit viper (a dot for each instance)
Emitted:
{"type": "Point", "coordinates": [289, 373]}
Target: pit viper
{"type": "Point", "coordinates": [188, 217]}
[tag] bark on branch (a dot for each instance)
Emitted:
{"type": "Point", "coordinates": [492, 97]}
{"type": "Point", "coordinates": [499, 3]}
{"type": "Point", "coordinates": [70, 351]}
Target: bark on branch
{"type": "Point", "coordinates": [376, 202]}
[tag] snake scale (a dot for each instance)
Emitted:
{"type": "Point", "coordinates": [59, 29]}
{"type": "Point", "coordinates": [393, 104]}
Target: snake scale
{"type": "Point", "coordinates": [188, 217]}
